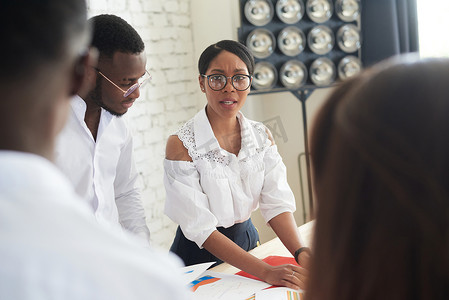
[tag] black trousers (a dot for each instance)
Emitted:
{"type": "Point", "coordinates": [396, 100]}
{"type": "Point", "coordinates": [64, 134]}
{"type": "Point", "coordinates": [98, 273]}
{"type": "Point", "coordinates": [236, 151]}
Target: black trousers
{"type": "Point", "coordinates": [243, 234]}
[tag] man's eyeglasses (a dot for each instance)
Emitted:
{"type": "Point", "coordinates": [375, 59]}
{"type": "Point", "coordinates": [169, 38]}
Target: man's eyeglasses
{"type": "Point", "coordinates": [139, 84]}
{"type": "Point", "coordinates": [218, 81]}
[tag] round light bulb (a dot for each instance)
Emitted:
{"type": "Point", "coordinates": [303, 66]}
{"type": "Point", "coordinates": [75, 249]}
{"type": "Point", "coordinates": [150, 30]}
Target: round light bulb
{"type": "Point", "coordinates": [265, 76]}
{"type": "Point", "coordinates": [348, 67]}
{"type": "Point", "coordinates": [259, 12]}
{"type": "Point", "coordinates": [290, 11]}
{"type": "Point", "coordinates": [293, 74]}
{"type": "Point", "coordinates": [291, 41]}
{"type": "Point", "coordinates": [261, 42]}
{"type": "Point", "coordinates": [321, 39]}
{"type": "Point", "coordinates": [322, 72]}
{"type": "Point", "coordinates": [348, 10]}
{"type": "Point", "coordinates": [348, 38]}
{"type": "Point", "coordinates": [319, 11]}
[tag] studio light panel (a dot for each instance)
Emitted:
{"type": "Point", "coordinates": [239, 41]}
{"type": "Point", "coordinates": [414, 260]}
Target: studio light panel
{"type": "Point", "coordinates": [301, 44]}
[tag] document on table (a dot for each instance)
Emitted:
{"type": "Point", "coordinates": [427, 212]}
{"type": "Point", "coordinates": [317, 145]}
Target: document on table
{"type": "Point", "coordinates": [194, 271]}
{"type": "Point", "coordinates": [279, 293]}
{"type": "Point", "coordinates": [209, 285]}
{"type": "Point", "coordinates": [218, 286]}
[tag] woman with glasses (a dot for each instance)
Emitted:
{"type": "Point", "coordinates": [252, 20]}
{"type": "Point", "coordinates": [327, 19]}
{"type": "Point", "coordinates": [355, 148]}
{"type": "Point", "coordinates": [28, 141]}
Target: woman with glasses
{"type": "Point", "coordinates": [220, 167]}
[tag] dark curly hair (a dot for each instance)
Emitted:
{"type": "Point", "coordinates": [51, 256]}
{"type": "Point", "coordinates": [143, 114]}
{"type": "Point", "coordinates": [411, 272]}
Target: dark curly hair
{"type": "Point", "coordinates": [111, 34]}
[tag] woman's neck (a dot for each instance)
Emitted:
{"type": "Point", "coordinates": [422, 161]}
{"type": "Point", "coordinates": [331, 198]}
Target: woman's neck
{"type": "Point", "coordinates": [226, 131]}
{"type": "Point", "coordinates": [222, 125]}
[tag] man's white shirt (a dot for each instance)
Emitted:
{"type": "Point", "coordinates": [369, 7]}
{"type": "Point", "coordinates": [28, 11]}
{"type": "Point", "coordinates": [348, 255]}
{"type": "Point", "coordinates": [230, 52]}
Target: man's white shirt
{"type": "Point", "coordinates": [102, 170]}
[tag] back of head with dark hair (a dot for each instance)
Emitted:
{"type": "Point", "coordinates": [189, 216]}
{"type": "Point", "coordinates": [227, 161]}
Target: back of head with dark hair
{"type": "Point", "coordinates": [380, 160]}
{"type": "Point", "coordinates": [228, 45]}
{"type": "Point", "coordinates": [111, 34]}
{"type": "Point", "coordinates": [36, 32]}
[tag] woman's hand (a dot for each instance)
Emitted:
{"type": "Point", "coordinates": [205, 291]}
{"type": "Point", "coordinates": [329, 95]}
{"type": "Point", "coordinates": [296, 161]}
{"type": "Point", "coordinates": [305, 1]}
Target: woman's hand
{"type": "Point", "coordinates": [290, 276]}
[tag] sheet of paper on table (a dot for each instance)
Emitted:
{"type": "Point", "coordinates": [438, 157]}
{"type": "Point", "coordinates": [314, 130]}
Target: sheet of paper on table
{"type": "Point", "coordinates": [279, 293]}
{"type": "Point", "coordinates": [218, 286]}
{"type": "Point", "coordinates": [206, 284]}
{"type": "Point", "coordinates": [194, 271]}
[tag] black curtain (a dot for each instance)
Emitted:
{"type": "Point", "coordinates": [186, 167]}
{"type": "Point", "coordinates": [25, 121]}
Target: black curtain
{"type": "Point", "coordinates": [389, 27]}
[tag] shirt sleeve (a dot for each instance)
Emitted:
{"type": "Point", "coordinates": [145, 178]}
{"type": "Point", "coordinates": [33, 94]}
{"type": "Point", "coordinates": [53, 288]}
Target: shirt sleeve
{"type": "Point", "coordinates": [127, 194]}
{"type": "Point", "coordinates": [186, 203]}
{"type": "Point", "coordinates": [276, 196]}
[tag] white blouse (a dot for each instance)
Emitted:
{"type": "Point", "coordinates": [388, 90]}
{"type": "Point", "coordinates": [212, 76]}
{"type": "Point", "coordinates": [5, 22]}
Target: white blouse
{"type": "Point", "coordinates": [219, 189]}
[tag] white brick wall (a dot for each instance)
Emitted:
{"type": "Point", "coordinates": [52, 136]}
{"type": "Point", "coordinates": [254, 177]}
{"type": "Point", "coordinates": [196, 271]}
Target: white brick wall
{"type": "Point", "coordinates": [167, 102]}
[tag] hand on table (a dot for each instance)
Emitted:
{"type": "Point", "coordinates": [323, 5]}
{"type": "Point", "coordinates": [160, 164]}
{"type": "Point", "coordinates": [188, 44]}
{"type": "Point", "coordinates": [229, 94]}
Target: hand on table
{"type": "Point", "coordinates": [290, 276]}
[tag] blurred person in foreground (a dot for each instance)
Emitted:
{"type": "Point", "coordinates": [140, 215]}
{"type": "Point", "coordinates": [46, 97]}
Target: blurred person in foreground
{"type": "Point", "coordinates": [380, 149]}
{"type": "Point", "coordinates": [51, 245]}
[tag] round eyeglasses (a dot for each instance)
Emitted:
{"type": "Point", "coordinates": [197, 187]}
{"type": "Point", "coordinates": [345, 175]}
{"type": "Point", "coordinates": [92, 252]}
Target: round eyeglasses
{"type": "Point", "coordinates": [217, 82]}
{"type": "Point", "coordinates": [139, 84]}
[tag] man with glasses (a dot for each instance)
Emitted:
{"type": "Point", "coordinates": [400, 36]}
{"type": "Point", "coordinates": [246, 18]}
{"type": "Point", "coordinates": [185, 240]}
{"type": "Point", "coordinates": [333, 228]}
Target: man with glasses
{"type": "Point", "coordinates": [95, 148]}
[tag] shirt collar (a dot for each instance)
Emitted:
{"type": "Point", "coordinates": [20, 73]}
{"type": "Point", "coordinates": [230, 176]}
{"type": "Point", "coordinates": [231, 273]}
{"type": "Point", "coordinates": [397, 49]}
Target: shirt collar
{"type": "Point", "coordinates": [251, 139]}
{"type": "Point", "coordinates": [206, 141]}
{"type": "Point", "coordinates": [79, 108]}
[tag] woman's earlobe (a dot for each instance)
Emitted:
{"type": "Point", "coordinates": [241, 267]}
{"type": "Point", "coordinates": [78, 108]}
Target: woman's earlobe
{"type": "Point", "coordinates": [201, 83]}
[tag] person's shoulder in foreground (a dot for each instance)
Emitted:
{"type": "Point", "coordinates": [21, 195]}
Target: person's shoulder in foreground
{"type": "Point", "coordinates": [51, 247]}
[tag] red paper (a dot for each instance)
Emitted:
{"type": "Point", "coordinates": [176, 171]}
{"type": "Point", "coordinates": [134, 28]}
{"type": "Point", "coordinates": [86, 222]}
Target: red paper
{"type": "Point", "coordinates": [272, 260]}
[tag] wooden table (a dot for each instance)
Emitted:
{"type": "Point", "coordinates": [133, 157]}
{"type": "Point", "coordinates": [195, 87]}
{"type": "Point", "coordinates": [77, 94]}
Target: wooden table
{"type": "Point", "coordinates": [273, 247]}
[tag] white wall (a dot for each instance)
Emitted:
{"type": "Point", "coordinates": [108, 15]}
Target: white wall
{"type": "Point", "coordinates": [175, 32]}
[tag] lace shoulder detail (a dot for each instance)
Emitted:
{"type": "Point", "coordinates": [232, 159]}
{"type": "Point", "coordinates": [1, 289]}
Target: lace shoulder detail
{"type": "Point", "coordinates": [187, 136]}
